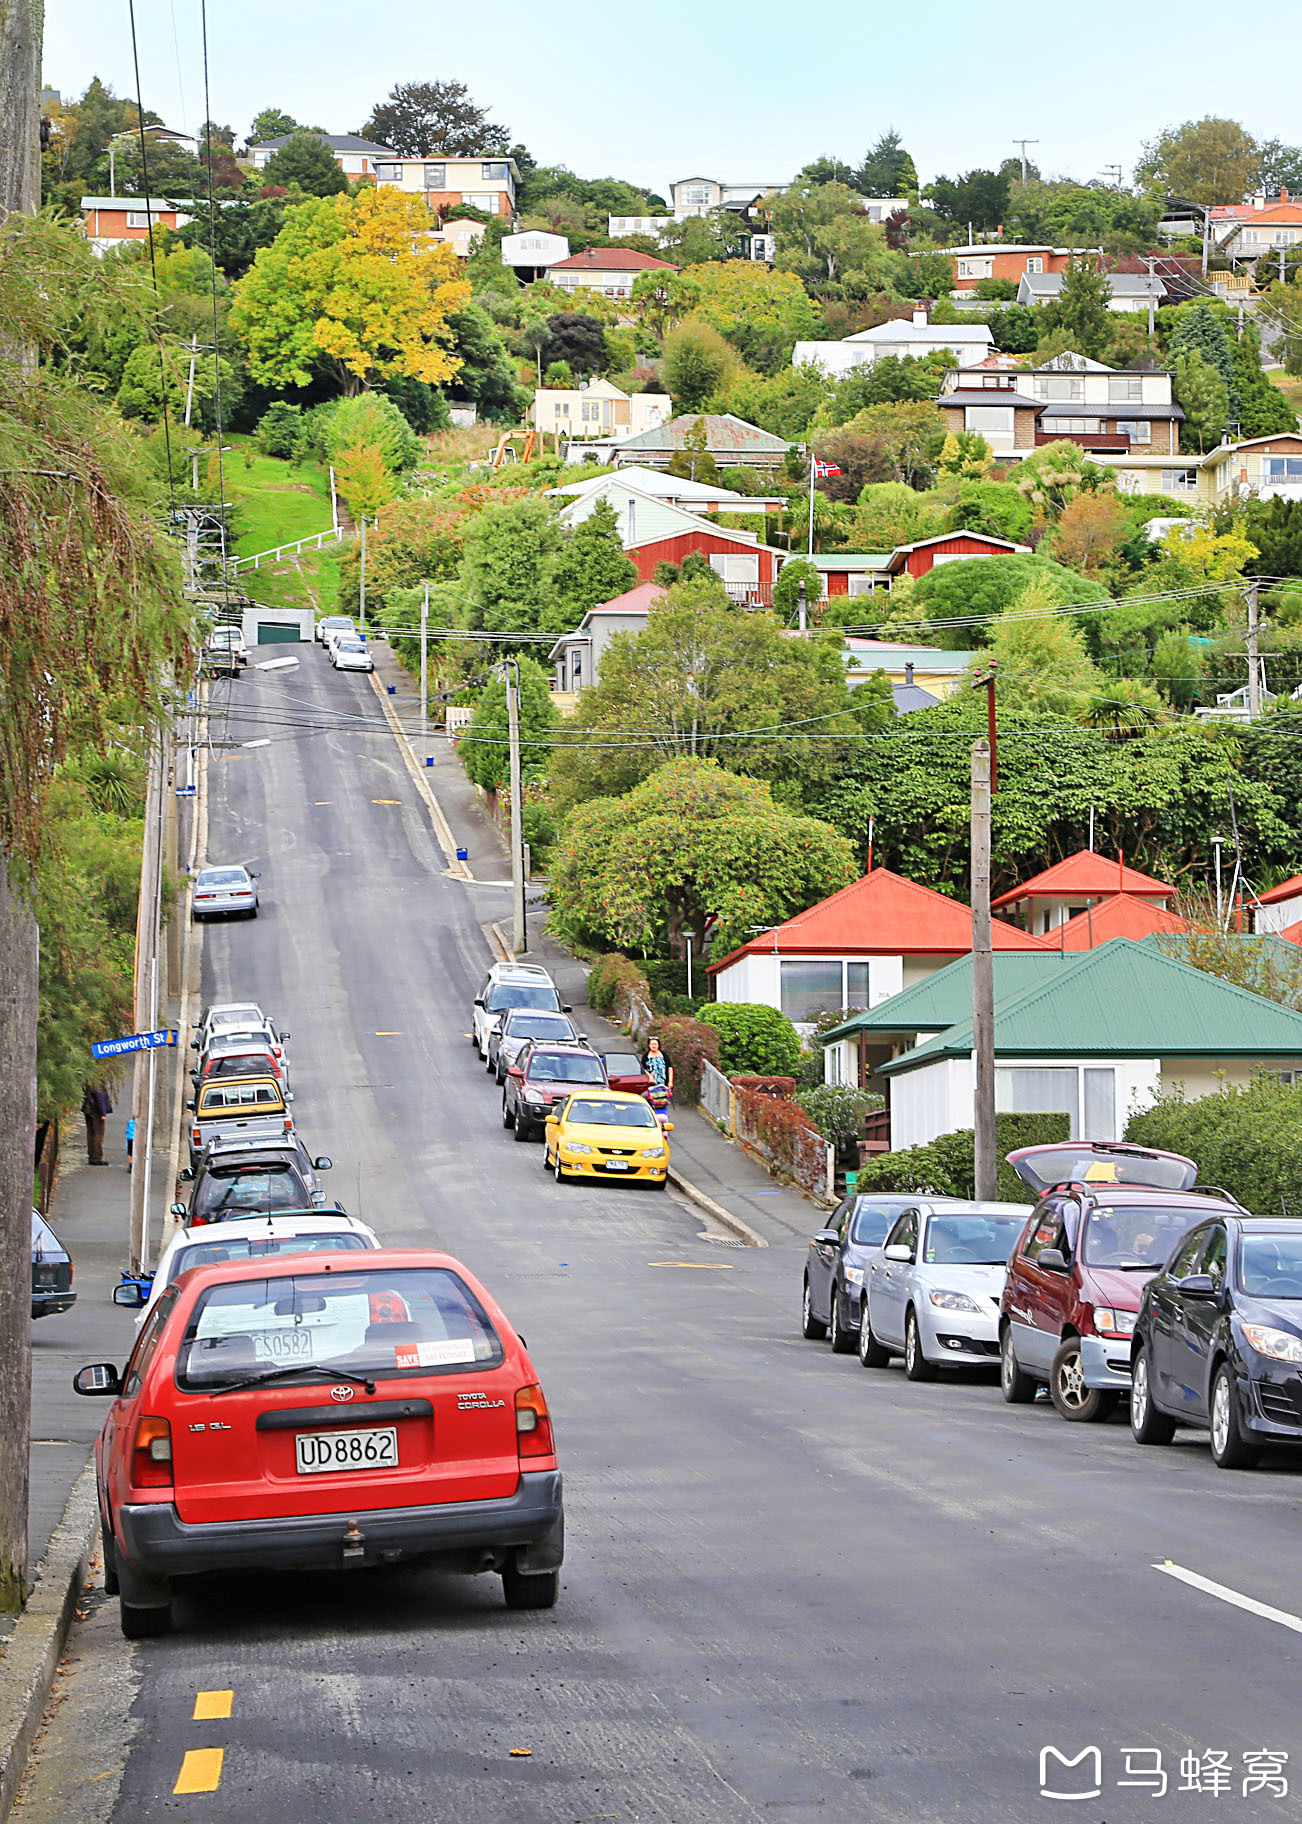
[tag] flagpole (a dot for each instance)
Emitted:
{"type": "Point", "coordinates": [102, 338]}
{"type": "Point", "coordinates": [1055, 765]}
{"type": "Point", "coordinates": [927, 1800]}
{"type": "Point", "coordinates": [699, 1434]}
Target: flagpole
{"type": "Point", "coordinates": [811, 500]}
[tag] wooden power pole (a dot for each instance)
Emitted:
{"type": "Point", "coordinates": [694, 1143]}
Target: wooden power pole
{"type": "Point", "coordinates": [20, 170]}
{"type": "Point", "coordinates": [983, 978]}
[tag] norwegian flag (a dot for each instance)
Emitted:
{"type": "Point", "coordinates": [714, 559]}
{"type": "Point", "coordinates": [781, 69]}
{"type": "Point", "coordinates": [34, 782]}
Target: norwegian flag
{"type": "Point", "coordinates": [823, 471]}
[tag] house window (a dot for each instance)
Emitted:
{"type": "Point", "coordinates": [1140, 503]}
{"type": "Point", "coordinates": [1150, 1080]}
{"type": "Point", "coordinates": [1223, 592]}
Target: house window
{"type": "Point", "coordinates": [975, 269]}
{"type": "Point", "coordinates": [860, 585]}
{"type": "Point", "coordinates": [493, 171]}
{"type": "Point", "coordinates": [1087, 1095]}
{"type": "Point", "coordinates": [1179, 481]}
{"type": "Point", "coordinates": [990, 420]}
{"type": "Point", "coordinates": [740, 569]}
{"type": "Point", "coordinates": [561, 408]}
{"type": "Point", "coordinates": [1278, 468]}
{"type": "Point", "coordinates": [1139, 430]}
{"type": "Point", "coordinates": [1035, 263]}
{"type": "Point", "coordinates": [487, 200]}
{"type": "Point", "coordinates": [698, 196]}
{"type": "Point", "coordinates": [1059, 386]}
{"type": "Point", "coordinates": [1073, 426]}
{"type": "Point", "coordinates": [435, 177]}
{"type": "Point", "coordinates": [1123, 387]}
{"type": "Point", "coordinates": [809, 989]}
{"type": "Point", "coordinates": [1249, 237]}
{"type": "Point", "coordinates": [856, 984]}
{"type": "Point", "coordinates": [388, 174]}
{"type": "Point", "coordinates": [137, 218]}
{"type": "Point", "coordinates": [591, 412]}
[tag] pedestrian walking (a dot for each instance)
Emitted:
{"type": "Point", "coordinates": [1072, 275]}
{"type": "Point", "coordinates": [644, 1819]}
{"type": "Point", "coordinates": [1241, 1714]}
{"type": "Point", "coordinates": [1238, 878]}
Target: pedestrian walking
{"type": "Point", "coordinates": [657, 1066]}
{"type": "Point", "coordinates": [131, 1138]}
{"type": "Point", "coordinates": [96, 1108]}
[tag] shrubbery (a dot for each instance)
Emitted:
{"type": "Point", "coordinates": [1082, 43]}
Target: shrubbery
{"type": "Point", "coordinates": [1248, 1140]}
{"type": "Point", "coordinates": [754, 1039]}
{"type": "Point", "coordinates": [689, 1045]}
{"type": "Point", "coordinates": [837, 1110]}
{"type": "Point", "coordinates": [945, 1165]}
{"type": "Point", "coordinates": [281, 431]}
{"type": "Point", "coordinates": [612, 981]}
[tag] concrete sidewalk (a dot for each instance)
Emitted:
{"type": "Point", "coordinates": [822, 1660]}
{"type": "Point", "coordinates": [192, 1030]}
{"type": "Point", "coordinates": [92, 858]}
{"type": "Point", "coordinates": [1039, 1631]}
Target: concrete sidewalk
{"type": "Point", "coordinates": [726, 1173]}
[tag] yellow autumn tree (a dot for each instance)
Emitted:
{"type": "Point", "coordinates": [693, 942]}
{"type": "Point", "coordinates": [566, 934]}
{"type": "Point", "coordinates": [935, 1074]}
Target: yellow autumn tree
{"type": "Point", "coordinates": [352, 284]}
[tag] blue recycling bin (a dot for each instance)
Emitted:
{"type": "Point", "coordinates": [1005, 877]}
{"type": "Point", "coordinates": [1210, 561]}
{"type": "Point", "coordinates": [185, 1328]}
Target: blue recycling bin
{"type": "Point", "coordinates": [463, 854]}
{"type": "Point", "coordinates": [392, 689]}
{"type": "Point", "coordinates": [429, 759]}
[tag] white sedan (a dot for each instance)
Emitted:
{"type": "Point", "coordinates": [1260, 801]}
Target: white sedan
{"type": "Point", "coordinates": [331, 624]}
{"type": "Point", "coordinates": [348, 653]}
{"type": "Point", "coordinates": [932, 1294]}
{"type": "Point", "coordinates": [312, 1232]}
{"type": "Point", "coordinates": [219, 892]}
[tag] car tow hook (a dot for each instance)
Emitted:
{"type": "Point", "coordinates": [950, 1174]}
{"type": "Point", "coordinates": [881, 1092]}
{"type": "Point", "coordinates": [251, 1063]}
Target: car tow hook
{"type": "Point", "coordinates": [354, 1543]}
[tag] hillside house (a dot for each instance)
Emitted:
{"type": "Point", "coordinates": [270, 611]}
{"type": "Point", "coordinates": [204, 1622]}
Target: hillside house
{"type": "Point", "coordinates": [597, 409]}
{"type": "Point", "coordinates": [1010, 260]}
{"type": "Point", "coordinates": [610, 270]}
{"type": "Point", "coordinates": [918, 336]}
{"type": "Point", "coordinates": [355, 157]}
{"type": "Point", "coordinates": [730, 441]}
{"type": "Point", "coordinates": [1072, 886]}
{"type": "Point", "coordinates": [488, 184]}
{"type": "Point", "coordinates": [112, 221]}
{"type": "Point", "coordinates": [1108, 413]}
{"type": "Point", "coordinates": [577, 656]}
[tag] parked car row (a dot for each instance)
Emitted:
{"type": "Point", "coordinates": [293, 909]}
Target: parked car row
{"type": "Point", "coordinates": [587, 1106]}
{"type": "Point", "coordinates": [1124, 1280]}
{"type": "Point", "coordinates": [345, 647]}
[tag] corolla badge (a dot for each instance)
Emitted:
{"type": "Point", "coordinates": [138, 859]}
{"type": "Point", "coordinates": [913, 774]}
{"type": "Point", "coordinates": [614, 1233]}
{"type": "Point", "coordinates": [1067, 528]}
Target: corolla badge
{"type": "Point", "coordinates": [342, 1395]}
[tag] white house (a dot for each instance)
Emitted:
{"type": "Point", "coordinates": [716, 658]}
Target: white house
{"type": "Point", "coordinates": [972, 343]}
{"type": "Point", "coordinates": [699, 195]}
{"type": "Point", "coordinates": [1280, 909]}
{"type": "Point", "coordinates": [1072, 886]}
{"type": "Point", "coordinates": [598, 409]}
{"type": "Point", "coordinates": [677, 490]}
{"type": "Point", "coordinates": [612, 271]}
{"type": "Point", "coordinates": [1131, 291]}
{"type": "Point", "coordinates": [533, 251]}
{"type": "Point", "coordinates": [355, 157]}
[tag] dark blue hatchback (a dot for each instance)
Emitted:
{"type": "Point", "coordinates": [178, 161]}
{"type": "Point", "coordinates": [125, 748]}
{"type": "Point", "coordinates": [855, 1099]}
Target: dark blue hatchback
{"type": "Point", "coordinates": [838, 1256]}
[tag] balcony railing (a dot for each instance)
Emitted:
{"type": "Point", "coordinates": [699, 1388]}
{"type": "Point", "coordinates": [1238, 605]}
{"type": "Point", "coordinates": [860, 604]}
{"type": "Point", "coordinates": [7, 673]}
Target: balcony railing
{"type": "Point", "coordinates": [1091, 440]}
{"type": "Point", "coordinates": [750, 595]}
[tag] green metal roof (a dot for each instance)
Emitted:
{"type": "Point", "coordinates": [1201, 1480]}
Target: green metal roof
{"type": "Point", "coordinates": [942, 999]}
{"type": "Point", "coordinates": [1125, 1000]}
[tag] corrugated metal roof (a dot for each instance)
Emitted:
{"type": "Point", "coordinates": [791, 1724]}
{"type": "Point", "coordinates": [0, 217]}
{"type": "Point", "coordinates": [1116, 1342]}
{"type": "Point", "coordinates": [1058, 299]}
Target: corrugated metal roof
{"type": "Point", "coordinates": [611, 259]}
{"type": "Point", "coordinates": [1124, 915]}
{"type": "Point", "coordinates": [723, 434]}
{"type": "Point", "coordinates": [942, 999]}
{"type": "Point", "coordinates": [1126, 1000]}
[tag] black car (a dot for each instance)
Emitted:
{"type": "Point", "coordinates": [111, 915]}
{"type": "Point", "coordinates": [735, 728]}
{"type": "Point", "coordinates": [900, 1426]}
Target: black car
{"type": "Point", "coordinates": [1218, 1339]}
{"type": "Point", "coordinates": [838, 1256]}
{"type": "Point", "coordinates": [544, 1074]}
{"type": "Point", "coordinates": [252, 1181]}
{"type": "Point", "coordinates": [51, 1271]}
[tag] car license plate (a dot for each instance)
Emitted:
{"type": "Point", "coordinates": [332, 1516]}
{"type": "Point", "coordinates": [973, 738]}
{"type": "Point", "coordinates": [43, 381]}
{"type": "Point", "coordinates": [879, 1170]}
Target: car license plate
{"type": "Point", "coordinates": [316, 1451]}
{"type": "Point", "coordinates": [617, 1165]}
{"type": "Point", "coordinates": [283, 1346]}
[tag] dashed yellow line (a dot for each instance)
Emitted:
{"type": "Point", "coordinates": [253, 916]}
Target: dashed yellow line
{"type": "Point", "coordinates": [697, 1266]}
{"type": "Point", "coordinates": [201, 1770]}
{"type": "Point", "coordinates": [386, 801]}
{"type": "Point", "coordinates": [211, 1705]}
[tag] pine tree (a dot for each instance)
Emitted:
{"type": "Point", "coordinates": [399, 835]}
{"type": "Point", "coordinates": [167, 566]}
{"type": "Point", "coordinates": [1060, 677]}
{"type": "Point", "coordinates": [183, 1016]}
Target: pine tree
{"type": "Point", "coordinates": [1263, 409]}
{"type": "Point", "coordinates": [1082, 309]}
{"type": "Point", "coordinates": [1201, 330]}
{"type": "Point", "coordinates": [592, 566]}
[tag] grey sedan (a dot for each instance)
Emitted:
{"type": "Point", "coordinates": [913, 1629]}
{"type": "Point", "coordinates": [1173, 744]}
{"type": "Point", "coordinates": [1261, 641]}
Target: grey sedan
{"type": "Point", "coordinates": [519, 1025]}
{"type": "Point", "coordinates": [225, 892]}
{"type": "Point", "coordinates": [933, 1292]}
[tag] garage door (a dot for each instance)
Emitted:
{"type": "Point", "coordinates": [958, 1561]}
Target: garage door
{"type": "Point", "coordinates": [277, 633]}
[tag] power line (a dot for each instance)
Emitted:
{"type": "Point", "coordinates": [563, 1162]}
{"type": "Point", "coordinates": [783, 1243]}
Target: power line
{"type": "Point", "coordinates": [216, 334]}
{"type": "Point", "coordinates": [153, 264]}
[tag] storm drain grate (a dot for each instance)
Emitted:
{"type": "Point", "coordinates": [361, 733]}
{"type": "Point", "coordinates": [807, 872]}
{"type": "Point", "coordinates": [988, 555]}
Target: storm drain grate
{"type": "Point", "coordinates": [724, 1241]}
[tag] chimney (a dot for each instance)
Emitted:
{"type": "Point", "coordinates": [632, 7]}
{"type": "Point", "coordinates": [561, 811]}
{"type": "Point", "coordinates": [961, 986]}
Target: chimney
{"type": "Point", "coordinates": [920, 317]}
{"type": "Point", "coordinates": [908, 671]}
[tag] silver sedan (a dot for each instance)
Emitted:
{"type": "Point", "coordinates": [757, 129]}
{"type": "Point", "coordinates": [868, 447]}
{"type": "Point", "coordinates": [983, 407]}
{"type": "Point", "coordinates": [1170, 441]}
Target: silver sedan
{"type": "Point", "coordinates": [222, 892]}
{"type": "Point", "coordinates": [932, 1294]}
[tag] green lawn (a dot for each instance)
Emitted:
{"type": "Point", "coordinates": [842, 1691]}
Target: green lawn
{"type": "Point", "coordinates": [1290, 385]}
{"type": "Point", "coordinates": [275, 501]}
{"type": "Point", "coordinates": [310, 580]}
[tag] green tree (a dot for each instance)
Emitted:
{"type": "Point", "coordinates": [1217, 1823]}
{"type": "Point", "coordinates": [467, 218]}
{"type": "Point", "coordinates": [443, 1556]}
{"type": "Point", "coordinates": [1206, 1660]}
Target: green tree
{"type": "Point", "coordinates": [592, 567]}
{"type": "Point", "coordinates": [1202, 328]}
{"type": "Point", "coordinates": [1275, 528]}
{"type": "Point", "coordinates": [981, 587]}
{"type": "Point", "coordinates": [241, 225]}
{"type": "Point", "coordinates": [754, 1040]}
{"type": "Point", "coordinates": [305, 162]}
{"type": "Point", "coordinates": [484, 747]}
{"type": "Point", "coordinates": [978, 197]}
{"type": "Point", "coordinates": [693, 461]}
{"type": "Point", "coordinates": [887, 169]}
{"type": "Point", "coordinates": [419, 119]}
{"type": "Point", "coordinates": [824, 235]}
{"type": "Point", "coordinates": [1210, 160]}
{"type": "Point", "coordinates": [786, 404]}
{"type": "Point", "coordinates": [279, 431]}
{"type": "Point", "coordinates": [697, 364]}
{"type": "Point", "coordinates": [996, 507]}
{"type": "Point", "coordinates": [1279, 167]}
{"type": "Point", "coordinates": [1202, 394]}
{"type": "Point", "coordinates": [1263, 409]}
{"type": "Point", "coordinates": [486, 375]}
{"type": "Point", "coordinates": [371, 418]}
{"type": "Point", "coordinates": [577, 340]}
{"type": "Point", "coordinates": [706, 680]}
{"type": "Point", "coordinates": [786, 591]}
{"type": "Point", "coordinates": [691, 840]}
{"type": "Point", "coordinates": [1081, 308]}
{"type": "Point", "coordinates": [967, 455]}
{"type": "Point", "coordinates": [271, 123]}
{"type": "Point", "coordinates": [890, 514]}
{"type": "Point", "coordinates": [912, 434]}
{"type": "Point", "coordinates": [762, 312]}
{"type": "Point", "coordinates": [1042, 657]}
{"type": "Point", "coordinates": [342, 290]}
{"type": "Point", "coordinates": [507, 570]}
{"type": "Point", "coordinates": [887, 381]}
{"type": "Point", "coordinates": [1056, 474]}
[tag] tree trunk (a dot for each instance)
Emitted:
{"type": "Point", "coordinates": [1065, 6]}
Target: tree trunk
{"type": "Point", "coordinates": [21, 23]}
{"type": "Point", "coordinates": [19, 953]}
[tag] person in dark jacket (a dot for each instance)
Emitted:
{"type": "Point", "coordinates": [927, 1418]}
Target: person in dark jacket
{"type": "Point", "coordinates": [96, 1108]}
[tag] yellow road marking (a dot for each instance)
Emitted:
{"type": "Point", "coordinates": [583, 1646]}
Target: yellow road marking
{"type": "Point", "coordinates": [698, 1266]}
{"type": "Point", "coordinates": [386, 801]}
{"type": "Point", "coordinates": [201, 1770]}
{"type": "Point", "coordinates": [323, 801]}
{"type": "Point", "coordinates": [209, 1705]}
{"type": "Point", "coordinates": [386, 1035]}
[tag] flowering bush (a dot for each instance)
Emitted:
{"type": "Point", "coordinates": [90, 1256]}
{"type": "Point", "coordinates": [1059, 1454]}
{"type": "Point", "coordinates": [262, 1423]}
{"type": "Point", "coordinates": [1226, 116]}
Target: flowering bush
{"type": "Point", "coordinates": [689, 1045]}
{"type": "Point", "coordinates": [612, 981]}
{"type": "Point", "coordinates": [784, 1134]}
{"type": "Point", "coordinates": [767, 1086]}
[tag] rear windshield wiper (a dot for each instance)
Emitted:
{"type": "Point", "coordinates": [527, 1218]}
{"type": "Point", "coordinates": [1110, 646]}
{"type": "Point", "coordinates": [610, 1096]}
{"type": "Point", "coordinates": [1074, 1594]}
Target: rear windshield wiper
{"type": "Point", "coordinates": [283, 1374]}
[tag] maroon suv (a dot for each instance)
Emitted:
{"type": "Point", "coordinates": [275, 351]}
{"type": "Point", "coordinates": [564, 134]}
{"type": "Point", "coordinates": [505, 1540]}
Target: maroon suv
{"type": "Point", "coordinates": [546, 1073]}
{"type": "Point", "coordinates": [1108, 1217]}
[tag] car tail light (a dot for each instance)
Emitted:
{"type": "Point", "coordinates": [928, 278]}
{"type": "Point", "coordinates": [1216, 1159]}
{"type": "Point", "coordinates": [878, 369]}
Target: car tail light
{"type": "Point", "coordinates": [289, 1122]}
{"type": "Point", "coordinates": [151, 1460]}
{"type": "Point", "coordinates": [533, 1424]}
{"type": "Point", "coordinates": [196, 1135]}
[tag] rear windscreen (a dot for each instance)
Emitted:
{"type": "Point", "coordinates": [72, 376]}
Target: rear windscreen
{"type": "Point", "coordinates": [523, 994]}
{"type": "Point", "coordinates": [238, 1095]}
{"type": "Point", "coordinates": [389, 1321]}
{"type": "Point", "coordinates": [250, 1190]}
{"type": "Point", "coordinates": [243, 1247]}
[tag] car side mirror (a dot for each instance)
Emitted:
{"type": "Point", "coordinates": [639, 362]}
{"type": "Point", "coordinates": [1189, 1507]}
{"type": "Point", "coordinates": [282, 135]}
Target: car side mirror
{"type": "Point", "coordinates": [129, 1293]}
{"type": "Point", "coordinates": [1197, 1285]}
{"type": "Point", "coordinates": [194, 1044]}
{"type": "Point", "coordinates": [179, 1209]}
{"type": "Point", "coordinates": [566, 1008]}
{"type": "Point", "coordinates": [322, 1164]}
{"type": "Point", "coordinates": [898, 1251]}
{"type": "Point", "coordinates": [194, 1076]}
{"type": "Point", "coordinates": [284, 1038]}
{"type": "Point", "coordinates": [99, 1377]}
{"type": "Point", "coordinates": [1052, 1260]}
{"type": "Point", "coordinates": [190, 1104]}
{"type": "Point", "coordinates": [186, 1174]}
{"type": "Point", "coordinates": [289, 1095]}
{"type": "Point", "coordinates": [826, 1238]}
{"type": "Point", "coordinates": [479, 1000]}
{"type": "Point", "coordinates": [513, 1070]}
{"type": "Point", "coordinates": [669, 1127]}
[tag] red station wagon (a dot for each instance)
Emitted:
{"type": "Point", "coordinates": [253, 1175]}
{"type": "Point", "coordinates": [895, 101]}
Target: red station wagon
{"type": "Point", "coordinates": [325, 1414]}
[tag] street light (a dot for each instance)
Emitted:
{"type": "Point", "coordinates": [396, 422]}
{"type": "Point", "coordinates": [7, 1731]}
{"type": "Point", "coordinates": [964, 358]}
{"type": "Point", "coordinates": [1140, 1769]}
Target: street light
{"type": "Point", "coordinates": [688, 934]}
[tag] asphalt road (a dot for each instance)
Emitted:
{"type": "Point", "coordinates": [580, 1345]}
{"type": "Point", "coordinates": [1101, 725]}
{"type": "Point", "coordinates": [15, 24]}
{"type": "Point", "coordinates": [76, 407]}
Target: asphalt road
{"type": "Point", "coordinates": [794, 1590]}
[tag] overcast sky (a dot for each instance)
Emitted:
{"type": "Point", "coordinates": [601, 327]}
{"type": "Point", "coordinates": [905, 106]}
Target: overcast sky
{"type": "Point", "coordinates": [742, 93]}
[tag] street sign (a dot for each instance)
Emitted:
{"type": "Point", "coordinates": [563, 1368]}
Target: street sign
{"type": "Point", "coordinates": [185, 791]}
{"type": "Point", "coordinates": [134, 1041]}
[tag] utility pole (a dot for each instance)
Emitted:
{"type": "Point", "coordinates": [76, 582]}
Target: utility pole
{"type": "Point", "coordinates": [1254, 663]}
{"type": "Point", "coordinates": [985, 680]}
{"type": "Point", "coordinates": [20, 189]}
{"type": "Point", "coordinates": [189, 385]}
{"type": "Point", "coordinates": [1152, 321]}
{"type": "Point", "coordinates": [1024, 143]}
{"type": "Point", "coordinates": [362, 593]}
{"type": "Point", "coordinates": [983, 979]}
{"type": "Point", "coordinates": [144, 1086]}
{"type": "Point", "coordinates": [424, 661]}
{"type": "Point", "coordinates": [801, 617]}
{"type": "Point", "coordinates": [519, 932]}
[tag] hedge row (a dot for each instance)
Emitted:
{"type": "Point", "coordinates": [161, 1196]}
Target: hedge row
{"type": "Point", "coordinates": [1248, 1140]}
{"type": "Point", "coordinates": [946, 1166]}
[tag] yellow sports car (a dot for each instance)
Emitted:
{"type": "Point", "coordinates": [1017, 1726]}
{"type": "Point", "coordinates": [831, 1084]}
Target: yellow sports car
{"type": "Point", "coordinates": [606, 1134]}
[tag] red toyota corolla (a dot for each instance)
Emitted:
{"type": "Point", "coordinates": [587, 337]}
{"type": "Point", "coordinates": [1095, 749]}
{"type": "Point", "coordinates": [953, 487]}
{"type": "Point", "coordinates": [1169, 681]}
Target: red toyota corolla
{"type": "Point", "coordinates": [322, 1415]}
